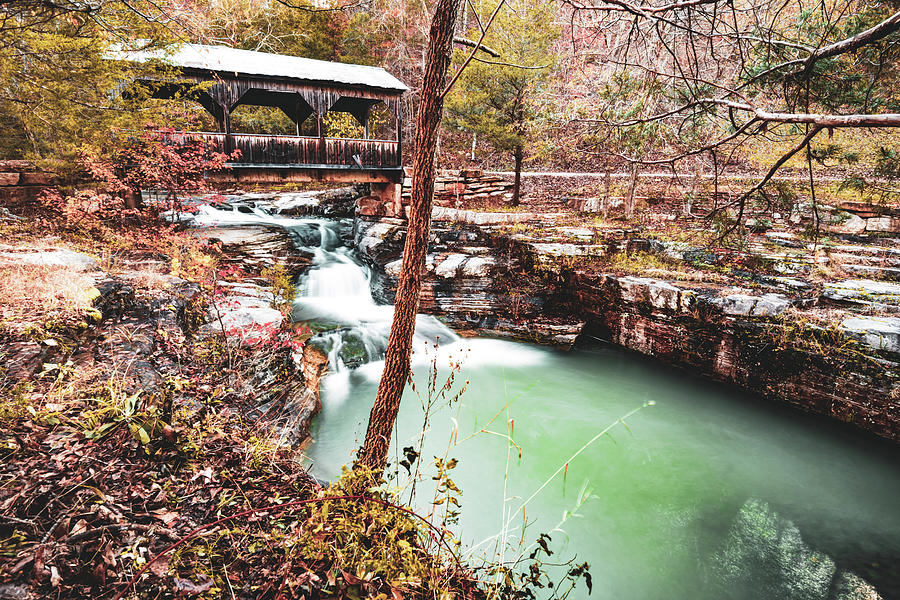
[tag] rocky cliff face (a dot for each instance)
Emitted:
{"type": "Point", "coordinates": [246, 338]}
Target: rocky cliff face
{"type": "Point", "coordinates": [146, 326]}
{"type": "Point", "coordinates": [779, 336]}
{"type": "Point", "coordinates": [473, 283]}
{"type": "Point", "coordinates": [751, 341]}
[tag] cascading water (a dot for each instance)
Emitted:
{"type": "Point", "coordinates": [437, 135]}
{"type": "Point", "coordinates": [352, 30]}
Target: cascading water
{"type": "Point", "coordinates": [335, 295]}
{"type": "Point", "coordinates": [709, 494]}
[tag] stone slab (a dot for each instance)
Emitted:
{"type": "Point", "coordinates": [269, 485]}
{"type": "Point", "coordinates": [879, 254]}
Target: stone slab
{"type": "Point", "coordinates": [879, 333]}
{"type": "Point", "coordinates": [9, 179]}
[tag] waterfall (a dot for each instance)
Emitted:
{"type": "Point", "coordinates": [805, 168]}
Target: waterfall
{"type": "Point", "coordinates": [335, 294]}
{"type": "Point", "coordinates": [335, 299]}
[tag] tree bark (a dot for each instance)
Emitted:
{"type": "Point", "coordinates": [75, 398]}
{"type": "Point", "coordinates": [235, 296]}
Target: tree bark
{"type": "Point", "coordinates": [517, 181]}
{"type": "Point", "coordinates": [373, 454]}
{"type": "Point", "coordinates": [629, 201]}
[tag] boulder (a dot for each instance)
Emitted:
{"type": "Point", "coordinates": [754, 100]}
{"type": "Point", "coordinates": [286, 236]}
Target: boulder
{"type": "Point", "coordinates": [879, 333]}
{"type": "Point", "coordinates": [76, 261]}
{"type": "Point", "coordinates": [664, 295]}
{"type": "Point", "coordinates": [449, 267]}
{"type": "Point", "coordinates": [479, 266]}
{"type": "Point", "coordinates": [736, 305]}
{"type": "Point", "coordinates": [770, 305]}
{"type": "Point", "coordinates": [883, 224]}
{"type": "Point", "coordinates": [763, 556]}
{"type": "Point", "coordinates": [853, 224]}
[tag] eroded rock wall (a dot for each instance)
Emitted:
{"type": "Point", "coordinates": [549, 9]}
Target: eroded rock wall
{"type": "Point", "coordinates": [489, 280]}
{"type": "Point", "coordinates": [473, 283]}
{"type": "Point", "coordinates": [739, 339]}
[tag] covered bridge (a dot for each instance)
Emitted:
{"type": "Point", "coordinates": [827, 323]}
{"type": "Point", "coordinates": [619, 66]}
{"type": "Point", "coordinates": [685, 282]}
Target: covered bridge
{"type": "Point", "coordinates": [304, 89]}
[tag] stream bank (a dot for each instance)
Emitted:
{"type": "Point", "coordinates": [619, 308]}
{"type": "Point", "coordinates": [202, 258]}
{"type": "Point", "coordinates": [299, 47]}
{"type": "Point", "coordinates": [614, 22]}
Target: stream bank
{"type": "Point", "coordinates": [829, 349]}
{"type": "Point", "coordinates": [828, 346]}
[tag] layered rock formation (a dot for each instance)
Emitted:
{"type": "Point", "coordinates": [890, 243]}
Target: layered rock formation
{"type": "Point", "coordinates": [144, 321]}
{"type": "Point", "coordinates": [776, 335]}
{"type": "Point", "coordinates": [474, 283]}
{"type": "Point", "coordinates": [21, 183]}
{"type": "Point", "coordinates": [458, 188]}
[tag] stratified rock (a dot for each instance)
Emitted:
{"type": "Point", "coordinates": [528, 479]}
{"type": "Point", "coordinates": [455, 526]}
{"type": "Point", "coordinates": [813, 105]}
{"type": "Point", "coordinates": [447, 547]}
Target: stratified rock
{"type": "Point", "coordinates": [879, 333]}
{"type": "Point", "coordinates": [746, 305]}
{"type": "Point", "coordinates": [788, 240]}
{"type": "Point", "coordinates": [891, 273]}
{"type": "Point", "coordinates": [865, 292]}
{"type": "Point", "coordinates": [256, 247]}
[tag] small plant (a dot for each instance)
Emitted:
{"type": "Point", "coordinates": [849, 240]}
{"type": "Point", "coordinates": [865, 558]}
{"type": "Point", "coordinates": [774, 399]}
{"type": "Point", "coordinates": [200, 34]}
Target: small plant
{"type": "Point", "coordinates": [118, 409]}
{"type": "Point", "coordinates": [283, 288]}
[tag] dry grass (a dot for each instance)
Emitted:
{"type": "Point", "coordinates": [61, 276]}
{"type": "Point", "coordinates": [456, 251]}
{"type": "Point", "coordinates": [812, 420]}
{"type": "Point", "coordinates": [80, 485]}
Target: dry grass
{"type": "Point", "coordinates": [645, 264]}
{"type": "Point", "coordinates": [31, 295]}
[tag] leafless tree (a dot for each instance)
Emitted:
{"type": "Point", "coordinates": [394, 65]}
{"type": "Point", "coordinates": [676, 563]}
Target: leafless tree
{"type": "Point", "coordinates": [716, 74]}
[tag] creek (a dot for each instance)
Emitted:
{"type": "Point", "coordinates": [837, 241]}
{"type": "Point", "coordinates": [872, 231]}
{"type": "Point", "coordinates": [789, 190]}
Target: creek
{"type": "Point", "coordinates": [705, 492]}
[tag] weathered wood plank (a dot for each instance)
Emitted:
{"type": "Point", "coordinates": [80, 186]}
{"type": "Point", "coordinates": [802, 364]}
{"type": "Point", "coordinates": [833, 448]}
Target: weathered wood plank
{"type": "Point", "coordinates": [290, 150]}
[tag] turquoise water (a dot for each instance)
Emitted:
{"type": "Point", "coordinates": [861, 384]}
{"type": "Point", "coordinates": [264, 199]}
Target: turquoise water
{"type": "Point", "coordinates": [671, 494]}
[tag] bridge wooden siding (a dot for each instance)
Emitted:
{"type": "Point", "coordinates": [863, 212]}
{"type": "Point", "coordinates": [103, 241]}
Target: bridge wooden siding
{"type": "Point", "coordinates": [301, 151]}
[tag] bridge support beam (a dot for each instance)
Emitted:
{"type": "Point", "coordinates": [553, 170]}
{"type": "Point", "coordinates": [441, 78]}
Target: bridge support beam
{"type": "Point", "coordinates": [299, 174]}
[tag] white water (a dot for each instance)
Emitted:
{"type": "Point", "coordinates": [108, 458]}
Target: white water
{"type": "Point", "coordinates": [336, 293]}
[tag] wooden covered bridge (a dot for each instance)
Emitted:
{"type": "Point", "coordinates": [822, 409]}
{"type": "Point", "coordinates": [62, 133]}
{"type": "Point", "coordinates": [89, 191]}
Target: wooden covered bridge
{"type": "Point", "coordinates": [221, 79]}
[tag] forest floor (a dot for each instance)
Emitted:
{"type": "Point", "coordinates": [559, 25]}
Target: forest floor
{"type": "Point", "coordinates": [139, 458]}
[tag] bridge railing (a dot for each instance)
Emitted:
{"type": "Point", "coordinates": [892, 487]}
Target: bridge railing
{"type": "Point", "coordinates": [259, 149]}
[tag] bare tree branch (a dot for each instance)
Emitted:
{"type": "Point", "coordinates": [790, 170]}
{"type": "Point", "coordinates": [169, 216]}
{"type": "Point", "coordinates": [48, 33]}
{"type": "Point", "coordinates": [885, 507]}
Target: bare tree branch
{"type": "Point", "coordinates": [472, 44]}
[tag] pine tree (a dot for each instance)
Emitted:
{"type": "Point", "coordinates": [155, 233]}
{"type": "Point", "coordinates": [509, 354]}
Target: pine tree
{"type": "Point", "coordinates": [498, 98]}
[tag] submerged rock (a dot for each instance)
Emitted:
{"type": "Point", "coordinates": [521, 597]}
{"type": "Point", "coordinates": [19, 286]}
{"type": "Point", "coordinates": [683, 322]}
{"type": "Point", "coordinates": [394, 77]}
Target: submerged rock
{"type": "Point", "coordinates": [353, 351]}
{"type": "Point", "coordinates": [764, 557]}
{"type": "Point", "coordinates": [850, 586]}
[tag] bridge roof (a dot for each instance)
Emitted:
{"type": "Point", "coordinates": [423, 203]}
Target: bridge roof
{"type": "Point", "coordinates": [222, 59]}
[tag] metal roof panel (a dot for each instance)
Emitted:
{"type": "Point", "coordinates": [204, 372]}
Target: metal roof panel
{"type": "Point", "coordinates": [247, 62]}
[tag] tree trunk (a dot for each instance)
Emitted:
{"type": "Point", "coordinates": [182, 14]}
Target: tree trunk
{"type": "Point", "coordinates": [629, 201]}
{"type": "Point", "coordinates": [517, 181]}
{"type": "Point", "coordinates": [604, 210]}
{"type": "Point", "coordinates": [373, 454]}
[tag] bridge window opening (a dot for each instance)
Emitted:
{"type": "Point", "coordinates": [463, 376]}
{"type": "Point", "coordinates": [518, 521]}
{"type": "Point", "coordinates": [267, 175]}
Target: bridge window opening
{"type": "Point", "coordinates": [178, 106]}
{"type": "Point", "coordinates": [343, 125]}
{"type": "Point", "coordinates": [261, 120]}
{"type": "Point", "coordinates": [182, 115]}
{"type": "Point", "coordinates": [382, 122]}
{"type": "Point", "coordinates": [361, 118]}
